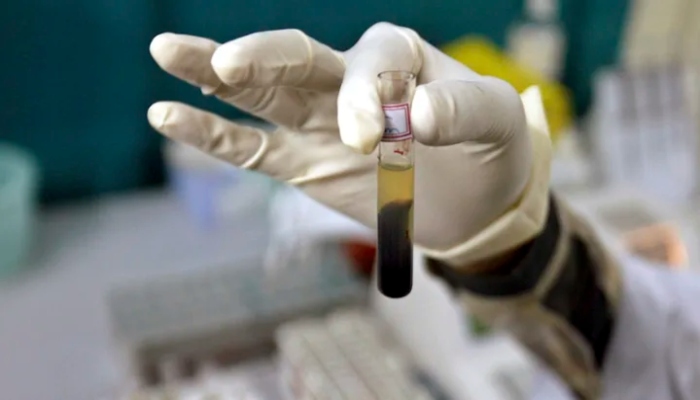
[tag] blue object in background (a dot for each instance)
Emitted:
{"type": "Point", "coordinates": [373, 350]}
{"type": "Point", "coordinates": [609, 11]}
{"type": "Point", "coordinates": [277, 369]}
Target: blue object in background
{"type": "Point", "coordinates": [18, 184]}
{"type": "Point", "coordinates": [198, 191]}
{"type": "Point", "coordinates": [76, 77]}
{"type": "Point", "coordinates": [215, 194]}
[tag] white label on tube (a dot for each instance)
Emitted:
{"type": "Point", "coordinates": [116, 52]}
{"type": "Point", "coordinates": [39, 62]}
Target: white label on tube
{"type": "Point", "coordinates": [397, 123]}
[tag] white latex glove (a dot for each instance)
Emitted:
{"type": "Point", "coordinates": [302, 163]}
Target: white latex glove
{"type": "Point", "coordinates": [480, 185]}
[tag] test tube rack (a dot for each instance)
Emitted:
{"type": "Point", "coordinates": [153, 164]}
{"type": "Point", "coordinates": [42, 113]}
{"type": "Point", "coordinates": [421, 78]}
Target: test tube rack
{"type": "Point", "coordinates": [250, 381]}
{"type": "Point", "coordinates": [175, 324]}
{"type": "Point", "coordinates": [346, 355]}
{"type": "Point", "coordinates": [194, 391]}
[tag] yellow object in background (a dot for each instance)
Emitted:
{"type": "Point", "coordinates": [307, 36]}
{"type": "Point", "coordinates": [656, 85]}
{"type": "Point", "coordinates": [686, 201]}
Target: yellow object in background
{"type": "Point", "coordinates": [485, 58]}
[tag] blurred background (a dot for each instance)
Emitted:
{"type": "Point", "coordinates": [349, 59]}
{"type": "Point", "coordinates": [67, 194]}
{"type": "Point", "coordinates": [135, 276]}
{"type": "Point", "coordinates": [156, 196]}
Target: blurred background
{"type": "Point", "coordinates": [131, 267]}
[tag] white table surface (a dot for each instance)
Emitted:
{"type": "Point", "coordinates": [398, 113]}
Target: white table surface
{"type": "Point", "coordinates": [54, 330]}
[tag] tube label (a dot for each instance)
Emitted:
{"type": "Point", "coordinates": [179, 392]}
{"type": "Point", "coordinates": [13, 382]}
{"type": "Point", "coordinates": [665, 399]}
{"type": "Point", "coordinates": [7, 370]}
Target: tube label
{"type": "Point", "coordinates": [397, 123]}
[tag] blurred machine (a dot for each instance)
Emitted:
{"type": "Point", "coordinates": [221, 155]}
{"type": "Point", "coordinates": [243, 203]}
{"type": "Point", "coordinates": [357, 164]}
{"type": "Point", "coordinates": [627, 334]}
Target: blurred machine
{"type": "Point", "coordinates": [211, 385]}
{"type": "Point", "coordinates": [537, 41]}
{"type": "Point", "coordinates": [243, 332]}
{"type": "Point", "coordinates": [347, 355]}
{"type": "Point", "coordinates": [659, 33]}
{"type": "Point", "coordinates": [222, 316]}
{"type": "Point", "coordinates": [662, 38]}
{"type": "Point", "coordinates": [643, 133]}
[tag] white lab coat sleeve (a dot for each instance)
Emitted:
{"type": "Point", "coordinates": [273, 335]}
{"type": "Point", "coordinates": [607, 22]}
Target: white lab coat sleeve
{"type": "Point", "coordinates": [611, 326]}
{"type": "Point", "coordinates": [684, 357]}
{"type": "Point", "coordinates": [684, 341]}
{"type": "Point", "coordinates": [655, 349]}
{"type": "Point", "coordinates": [559, 297]}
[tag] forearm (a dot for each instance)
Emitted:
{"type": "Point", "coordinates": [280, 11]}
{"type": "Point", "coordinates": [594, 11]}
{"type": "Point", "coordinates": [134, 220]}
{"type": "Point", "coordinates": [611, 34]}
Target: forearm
{"type": "Point", "coordinates": [557, 293]}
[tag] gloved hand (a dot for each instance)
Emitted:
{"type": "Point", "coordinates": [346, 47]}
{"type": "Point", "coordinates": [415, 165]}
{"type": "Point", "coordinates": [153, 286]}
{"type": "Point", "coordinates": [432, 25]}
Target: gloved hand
{"type": "Point", "coordinates": [481, 169]}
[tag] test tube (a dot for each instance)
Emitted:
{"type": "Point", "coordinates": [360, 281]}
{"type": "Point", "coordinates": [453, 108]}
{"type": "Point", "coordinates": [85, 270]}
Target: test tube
{"type": "Point", "coordinates": [395, 185]}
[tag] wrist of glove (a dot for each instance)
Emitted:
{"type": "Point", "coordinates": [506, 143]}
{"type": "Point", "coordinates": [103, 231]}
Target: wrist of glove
{"type": "Point", "coordinates": [526, 218]}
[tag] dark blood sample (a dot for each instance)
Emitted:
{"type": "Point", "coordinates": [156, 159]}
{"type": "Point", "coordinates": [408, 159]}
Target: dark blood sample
{"type": "Point", "coordinates": [395, 248]}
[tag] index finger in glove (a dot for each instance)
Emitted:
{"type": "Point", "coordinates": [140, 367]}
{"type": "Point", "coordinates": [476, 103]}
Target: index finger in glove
{"type": "Point", "coordinates": [189, 58]}
{"type": "Point", "coordinates": [384, 47]}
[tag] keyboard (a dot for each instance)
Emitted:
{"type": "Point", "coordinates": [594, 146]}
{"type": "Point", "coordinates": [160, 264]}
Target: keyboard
{"type": "Point", "coordinates": [346, 355]}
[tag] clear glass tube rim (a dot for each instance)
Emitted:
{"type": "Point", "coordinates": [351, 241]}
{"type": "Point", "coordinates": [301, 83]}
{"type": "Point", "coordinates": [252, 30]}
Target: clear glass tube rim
{"type": "Point", "coordinates": [397, 75]}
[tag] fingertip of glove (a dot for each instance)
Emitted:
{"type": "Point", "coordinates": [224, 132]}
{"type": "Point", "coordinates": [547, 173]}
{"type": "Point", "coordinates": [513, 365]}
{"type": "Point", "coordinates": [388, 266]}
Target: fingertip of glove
{"type": "Point", "coordinates": [159, 46]}
{"type": "Point", "coordinates": [158, 115]}
{"type": "Point", "coordinates": [361, 146]}
{"type": "Point", "coordinates": [360, 116]}
{"type": "Point", "coordinates": [423, 118]}
{"type": "Point", "coordinates": [358, 143]}
{"type": "Point", "coordinates": [172, 50]}
{"type": "Point", "coordinates": [359, 131]}
{"type": "Point", "coordinates": [175, 121]}
{"type": "Point", "coordinates": [227, 64]}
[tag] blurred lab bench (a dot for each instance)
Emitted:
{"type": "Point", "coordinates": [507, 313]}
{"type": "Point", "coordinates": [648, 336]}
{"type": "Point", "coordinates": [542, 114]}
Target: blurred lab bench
{"type": "Point", "coordinates": [55, 340]}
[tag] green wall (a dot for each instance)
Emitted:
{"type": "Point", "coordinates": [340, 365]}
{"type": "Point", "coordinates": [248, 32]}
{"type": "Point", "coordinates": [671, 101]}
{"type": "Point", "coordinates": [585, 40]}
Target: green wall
{"type": "Point", "coordinates": [76, 77]}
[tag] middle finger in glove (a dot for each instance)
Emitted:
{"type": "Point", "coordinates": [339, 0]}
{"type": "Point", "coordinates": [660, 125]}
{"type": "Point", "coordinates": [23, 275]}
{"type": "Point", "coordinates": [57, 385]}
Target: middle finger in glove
{"type": "Point", "coordinates": [189, 58]}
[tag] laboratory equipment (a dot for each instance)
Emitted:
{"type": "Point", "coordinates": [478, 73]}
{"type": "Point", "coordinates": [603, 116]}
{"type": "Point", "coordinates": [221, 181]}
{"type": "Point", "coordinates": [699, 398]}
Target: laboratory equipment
{"type": "Point", "coordinates": [654, 33]}
{"type": "Point", "coordinates": [346, 355]}
{"type": "Point", "coordinates": [690, 49]}
{"type": "Point", "coordinates": [691, 57]}
{"type": "Point", "coordinates": [537, 41]}
{"type": "Point", "coordinates": [643, 133]}
{"type": "Point", "coordinates": [18, 186]}
{"type": "Point", "coordinates": [571, 165]}
{"type": "Point", "coordinates": [225, 314]}
{"type": "Point", "coordinates": [666, 34]}
{"type": "Point", "coordinates": [192, 392]}
{"type": "Point", "coordinates": [251, 381]}
{"type": "Point", "coordinates": [299, 224]}
{"type": "Point", "coordinates": [395, 185]}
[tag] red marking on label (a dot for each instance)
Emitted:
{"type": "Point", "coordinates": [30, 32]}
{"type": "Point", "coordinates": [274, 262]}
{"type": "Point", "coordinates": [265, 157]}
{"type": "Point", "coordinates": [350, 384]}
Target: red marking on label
{"type": "Point", "coordinates": [397, 151]}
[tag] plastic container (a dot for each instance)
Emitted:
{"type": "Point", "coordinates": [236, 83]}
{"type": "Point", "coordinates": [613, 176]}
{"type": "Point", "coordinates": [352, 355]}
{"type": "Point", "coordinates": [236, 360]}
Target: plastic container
{"type": "Point", "coordinates": [18, 187]}
{"type": "Point", "coordinates": [300, 225]}
{"type": "Point", "coordinates": [215, 193]}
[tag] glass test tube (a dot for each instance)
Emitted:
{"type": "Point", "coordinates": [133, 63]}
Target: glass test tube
{"type": "Point", "coordinates": [395, 185]}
